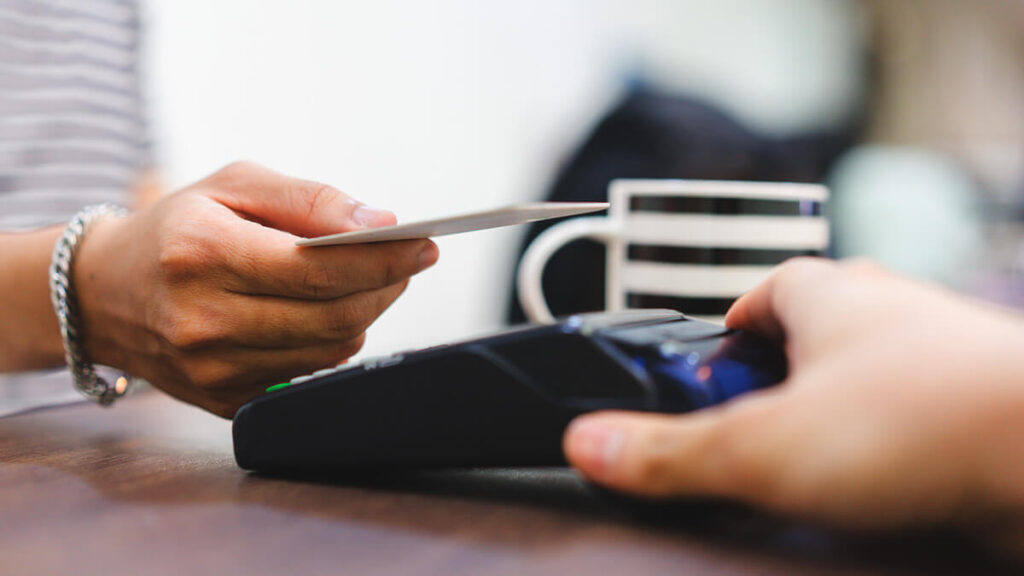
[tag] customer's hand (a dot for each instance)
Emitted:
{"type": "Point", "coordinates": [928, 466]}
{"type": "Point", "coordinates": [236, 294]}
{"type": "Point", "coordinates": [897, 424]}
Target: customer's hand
{"type": "Point", "coordinates": [205, 294]}
{"type": "Point", "coordinates": [904, 406]}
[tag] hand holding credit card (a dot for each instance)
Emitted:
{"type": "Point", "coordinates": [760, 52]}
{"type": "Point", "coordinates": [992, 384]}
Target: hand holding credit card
{"type": "Point", "coordinates": [507, 216]}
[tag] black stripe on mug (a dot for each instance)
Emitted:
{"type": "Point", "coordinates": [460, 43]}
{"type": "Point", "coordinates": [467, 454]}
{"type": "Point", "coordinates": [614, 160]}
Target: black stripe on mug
{"type": "Point", "coordinates": [719, 256]}
{"type": "Point", "coordinates": [696, 306]}
{"type": "Point", "coordinates": [724, 206]}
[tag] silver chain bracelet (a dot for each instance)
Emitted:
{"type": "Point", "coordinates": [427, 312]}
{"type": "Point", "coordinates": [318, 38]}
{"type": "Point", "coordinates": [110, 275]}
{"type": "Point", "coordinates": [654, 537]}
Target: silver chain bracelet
{"type": "Point", "coordinates": [65, 305]}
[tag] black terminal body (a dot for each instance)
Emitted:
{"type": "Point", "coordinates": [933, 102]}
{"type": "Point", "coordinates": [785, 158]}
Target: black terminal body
{"type": "Point", "coordinates": [502, 400]}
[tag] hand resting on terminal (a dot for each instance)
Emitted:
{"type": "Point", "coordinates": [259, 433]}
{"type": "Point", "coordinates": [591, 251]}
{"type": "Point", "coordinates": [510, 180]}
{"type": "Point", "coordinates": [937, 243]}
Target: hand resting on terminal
{"type": "Point", "coordinates": [904, 407]}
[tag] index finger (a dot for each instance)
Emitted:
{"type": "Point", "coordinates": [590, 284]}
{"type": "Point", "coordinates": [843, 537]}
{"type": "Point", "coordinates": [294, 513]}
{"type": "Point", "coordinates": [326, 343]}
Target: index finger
{"type": "Point", "coordinates": [771, 307]}
{"type": "Point", "coordinates": [271, 265]}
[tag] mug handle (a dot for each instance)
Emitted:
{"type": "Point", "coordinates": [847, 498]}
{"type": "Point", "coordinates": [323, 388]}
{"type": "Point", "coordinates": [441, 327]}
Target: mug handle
{"type": "Point", "coordinates": [543, 247]}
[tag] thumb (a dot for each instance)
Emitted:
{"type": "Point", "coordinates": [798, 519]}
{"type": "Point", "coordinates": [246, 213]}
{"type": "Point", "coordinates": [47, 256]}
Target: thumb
{"type": "Point", "coordinates": [300, 207]}
{"type": "Point", "coordinates": [710, 453]}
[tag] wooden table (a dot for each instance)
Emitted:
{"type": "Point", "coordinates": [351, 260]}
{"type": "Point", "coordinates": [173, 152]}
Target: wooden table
{"type": "Point", "coordinates": [151, 487]}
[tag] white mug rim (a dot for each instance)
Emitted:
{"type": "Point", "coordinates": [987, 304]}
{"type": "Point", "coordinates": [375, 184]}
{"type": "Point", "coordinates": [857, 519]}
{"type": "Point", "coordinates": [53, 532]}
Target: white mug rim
{"type": "Point", "coordinates": [719, 189]}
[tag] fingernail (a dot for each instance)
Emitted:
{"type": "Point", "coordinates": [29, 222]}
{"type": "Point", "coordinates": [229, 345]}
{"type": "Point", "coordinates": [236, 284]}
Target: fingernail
{"type": "Point", "coordinates": [369, 217]}
{"type": "Point", "coordinates": [595, 445]}
{"type": "Point", "coordinates": [428, 256]}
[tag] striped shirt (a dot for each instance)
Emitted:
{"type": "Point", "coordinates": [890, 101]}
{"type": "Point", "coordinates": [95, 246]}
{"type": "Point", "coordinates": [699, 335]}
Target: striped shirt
{"type": "Point", "coordinates": [72, 126]}
{"type": "Point", "coordinates": [72, 130]}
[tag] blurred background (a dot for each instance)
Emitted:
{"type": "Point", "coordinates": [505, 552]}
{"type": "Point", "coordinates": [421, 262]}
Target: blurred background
{"type": "Point", "coordinates": [912, 113]}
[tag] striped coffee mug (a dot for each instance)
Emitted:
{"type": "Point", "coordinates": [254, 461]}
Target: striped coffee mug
{"type": "Point", "coordinates": [690, 245]}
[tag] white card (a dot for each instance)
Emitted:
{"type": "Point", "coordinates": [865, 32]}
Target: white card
{"type": "Point", "coordinates": [507, 216]}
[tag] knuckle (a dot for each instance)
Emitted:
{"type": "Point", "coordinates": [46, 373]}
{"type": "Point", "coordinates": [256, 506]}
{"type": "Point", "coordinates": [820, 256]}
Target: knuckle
{"type": "Point", "coordinates": [399, 287]}
{"type": "Point", "coordinates": [389, 273]}
{"type": "Point", "coordinates": [221, 404]}
{"type": "Point", "coordinates": [347, 318]}
{"type": "Point", "coordinates": [178, 256]}
{"type": "Point", "coordinates": [224, 410]}
{"type": "Point", "coordinates": [237, 175]}
{"type": "Point", "coordinates": [375, 303]}
{"type": "Point", "coordinates": [193, 333]}
{"type": "Point", "coordinates": [349, 348]}
{"type": "Point", "coordinates": [316, 197]}
{"type": "Point", "coordinates": [316, 281]}
{"type": "Point", "coordinates": [863, 265]}
{"type": "Point", "coordinates": [239, 169]}
{"type": "Point", "coordinates": [397, 265]}
{"type": "Point", "coordinates": [330, 354]}
{"type": "Point", "coordinates": [798, 274]}
{"type": "Point", "coordinates": [646, 471]}
{"type": "Point", "coordinates": [652, 468]}
{"type": "Point", "coordinates": [801, 266]}
{"type": "Point", "coordinates": [208, 374]}
{"type": "Point", "coordinates": [189, 249]}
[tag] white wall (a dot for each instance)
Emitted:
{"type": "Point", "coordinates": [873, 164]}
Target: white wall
{"type": "Point", "coordinates": [428, 108]}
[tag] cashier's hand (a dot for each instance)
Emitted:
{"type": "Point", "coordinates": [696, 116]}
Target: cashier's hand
{"type": "Point", "coordinates": [205, 294]}
{"type": "Point", "coordinates": [904, 406]}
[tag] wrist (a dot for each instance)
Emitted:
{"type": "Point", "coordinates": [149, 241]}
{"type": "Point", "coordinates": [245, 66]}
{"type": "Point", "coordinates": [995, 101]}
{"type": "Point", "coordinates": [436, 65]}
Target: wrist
{"type": "Point", "coordinates": [64, 268]}
{"type": "Point", "coordinates": [97, 279]}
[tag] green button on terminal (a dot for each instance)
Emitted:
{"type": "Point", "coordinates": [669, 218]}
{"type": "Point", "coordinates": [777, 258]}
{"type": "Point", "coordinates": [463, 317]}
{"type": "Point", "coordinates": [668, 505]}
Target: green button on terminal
{"type": "Point", "coordinates": [279, 386]}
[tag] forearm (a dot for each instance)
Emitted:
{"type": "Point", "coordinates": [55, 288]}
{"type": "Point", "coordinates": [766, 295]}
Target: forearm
{"type": "Point", "coordinates": [29, 337]}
